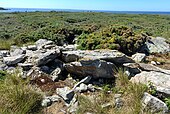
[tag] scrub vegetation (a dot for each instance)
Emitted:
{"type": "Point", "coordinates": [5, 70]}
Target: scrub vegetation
{"type": "Point", "coordinates": [92, 30]}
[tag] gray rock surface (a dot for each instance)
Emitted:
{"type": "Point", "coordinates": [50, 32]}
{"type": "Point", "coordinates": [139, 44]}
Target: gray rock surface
{"type": "Point", "coordinates": [66, 93]}
{"type": "Point", "coordinates": [44, 58]}
{"type": "Point", "coordinates": [160, 80]}
{"type": "Point", "coordinates": [4, 53]}
{"type": "Point", "coordinates": [15, 51]}
{"type": "Point", "coordinates": [94, 68]}
{"type": "Point", "coordinates": [139, 57]}
{"type": "Point", "coordinates": [156, 45]}
{"type": "Point", "coordinates": [107, 55]}
{"type": "Point", "coordinates": [70, 56]}
{"type": "Point", "coordinates": [13, 60]}
{"type": "Point", "coordinates": [43, 42]}
{"type": "Point", "coordinates": [153, 104]}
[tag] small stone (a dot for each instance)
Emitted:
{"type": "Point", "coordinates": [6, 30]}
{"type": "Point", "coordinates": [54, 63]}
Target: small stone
{"type": "Point", "coordinates": [83, 88]}
{"type": "Point", "coordinates": [42, 80]}
{"type": "Point", "coordinates": [117, 96]}
{"type": "Point", "coordinates": [153, 63]}
{"type": "Point", "coordinates": [32, 47]}
{"type": "Point", "coordinates": [46, 102]}
{"type": "Point", "coordinates": [66, 93]}
{"type": "Point", "coordinates": [139, 57]}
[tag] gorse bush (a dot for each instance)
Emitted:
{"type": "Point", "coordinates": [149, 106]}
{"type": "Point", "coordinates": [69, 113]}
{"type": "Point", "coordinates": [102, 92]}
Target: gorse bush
{"type": "Point", "coordinates": [120, 38]}
{"type": "Point", "coordinates": [17, 97]}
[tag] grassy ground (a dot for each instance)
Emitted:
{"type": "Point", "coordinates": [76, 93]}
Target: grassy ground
{"type": "Point", "coordinates": [17, 97]}
{"type": "Point", "coordinates": [131, 96]}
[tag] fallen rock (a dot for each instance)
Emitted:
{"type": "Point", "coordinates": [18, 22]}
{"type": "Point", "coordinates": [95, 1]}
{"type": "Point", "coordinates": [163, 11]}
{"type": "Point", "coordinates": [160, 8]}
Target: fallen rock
{"type": "Point", "coordinates": [94, 68]}
{"type": "Point", "coordinates": [158, 79]}
{"type": "Point", "coordinates": [4, 53]}
{"type": "Point", "coordinates": [15, 51]}
{"type": "Point", "coordinates": [56, 74]}
{"type": "Point", "coordinates": [66, 93]}
{"type": "Point", "coordinates": [156, 45]}
{"type": "Point", "coordinates": [25, 66]}
{"type": "Point", "coordinates": [44, 58]}
{"type": "Point", "coordinates": [32, 47]}
{"type": "Point", "coordinates": [113, 56]}
{"type": "Point", "coordinates": [139, 57]}
{"type": "Point", "coordinates": [43, 42]}
{"type": "Point", "coordinates": [46, 102]}
{"type": "Point", "coordinates": [82, 88]}
{"type": "Point", "coordinates": [153, 104]}
{"type": "Point", "coordinates": [70, 56]}
{"type": "Point", "coordinates": [13, 60]}
{"type": "Point", "coordinates": [85, 81]}
{"type": "Point", "coordinates": [138, 67]}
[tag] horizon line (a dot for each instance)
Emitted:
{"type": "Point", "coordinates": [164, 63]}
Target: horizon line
{"type": "Point", "coordinates": [90, 9]}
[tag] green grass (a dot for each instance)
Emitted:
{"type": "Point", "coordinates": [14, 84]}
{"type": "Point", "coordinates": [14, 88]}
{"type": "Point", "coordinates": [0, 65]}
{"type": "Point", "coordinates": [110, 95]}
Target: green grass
{"type": "Point", "coordinates": [17, 97]}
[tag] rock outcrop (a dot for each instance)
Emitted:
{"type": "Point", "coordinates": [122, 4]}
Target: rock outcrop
{"type": "Point", "coordinates": [95, 68]}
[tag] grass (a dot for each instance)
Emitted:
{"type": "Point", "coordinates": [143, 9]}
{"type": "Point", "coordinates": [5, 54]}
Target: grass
{"type": "Point", "coordinates": [18, 97]}
{"type": "Point", "coordinates": [131, 96]}
{"type": "Point", "coordinates": [5, 44]}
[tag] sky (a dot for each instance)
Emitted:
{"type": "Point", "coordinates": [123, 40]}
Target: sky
{"type": "Point", "coordinates": [110, 5]}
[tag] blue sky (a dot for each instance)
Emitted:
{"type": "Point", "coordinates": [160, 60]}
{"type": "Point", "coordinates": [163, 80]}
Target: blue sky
{"type": "Point", "coordinates": [112, 5]}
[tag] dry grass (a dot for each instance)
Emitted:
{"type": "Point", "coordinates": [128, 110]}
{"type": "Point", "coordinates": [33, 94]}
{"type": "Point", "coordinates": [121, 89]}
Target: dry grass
{"type": "Point", "coordinates": [17, 97]}
{"type": "Point", "coordinates": [5, 44]}
{"type": "Point", "coordinates": [131, 96]}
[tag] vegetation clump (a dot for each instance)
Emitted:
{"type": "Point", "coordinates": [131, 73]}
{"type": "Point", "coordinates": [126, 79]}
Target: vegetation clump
{"type": "Point", "coordinates": [119, 38]}
{"type": "Point", "coordinates": [17, 96]}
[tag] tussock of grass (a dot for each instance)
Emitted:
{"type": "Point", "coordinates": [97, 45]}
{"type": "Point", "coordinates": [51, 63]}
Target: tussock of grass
{"type": "Point", "coordinates": [17, 97]}
{"type": "Point", "coordinates": [131, 96]}
{"type": "Point", "coordinates": [5, 44]}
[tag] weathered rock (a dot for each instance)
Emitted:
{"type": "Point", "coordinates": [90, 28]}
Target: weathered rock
{"type": "Point", "coordinates": [153, 104]}
{"type": "Point", "coordinates": [66, 93]}
{"type": "Point", "coordinates": [43, 42]}
{"type": "Point", "coordinates": [56, 74]}
{"type": "Point", "coordinates": [3, 67]}
{"type": "Point", "coordinates": [139, 57]}
{"type": "Point", "coordinates": [138, 67]}
{"type": "Point", "coordinates": [13, 60]}
{"type": "Point", "coordinates": [160, 80]}
{"type": "Point", "coordinates": [54, 98]}
{"type": "Point", "coordinates": [156, 45]}
{"type": "Point", "coordinates": [132, 69]}
{"type": "Point", "coordinates": [107, 55]}
{"type": "Point", "coordinates": [15, 51]}
{"type": "Point", "coordinates": [94, 68]}
{"type": "Point", "coordinates": [32, 47]}
{"type": "Point", "coordinates": [70, 47]}
{"type": "Point", "coordinates": [44, 58]}
{"type": "Point", "coordinates": [85, 81]}
{"type": "Point", "coordinates": [4, 53]}
{"type": "Point", "coordinates": [46, 102]}
{"type": "Point", "coordinates": [25, 66]}
{"type": "Point", "coordinates": [45, 69]}
{"type": "Point", "coordinates": [149, 67]}
{"type": "Point", "coordinates": [70, 56]}
{"type": "Point", "coordinates": [82, 88]}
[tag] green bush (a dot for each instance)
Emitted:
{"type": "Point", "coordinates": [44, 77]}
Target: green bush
{"type": "Point", "coordinates": [117, 37]}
